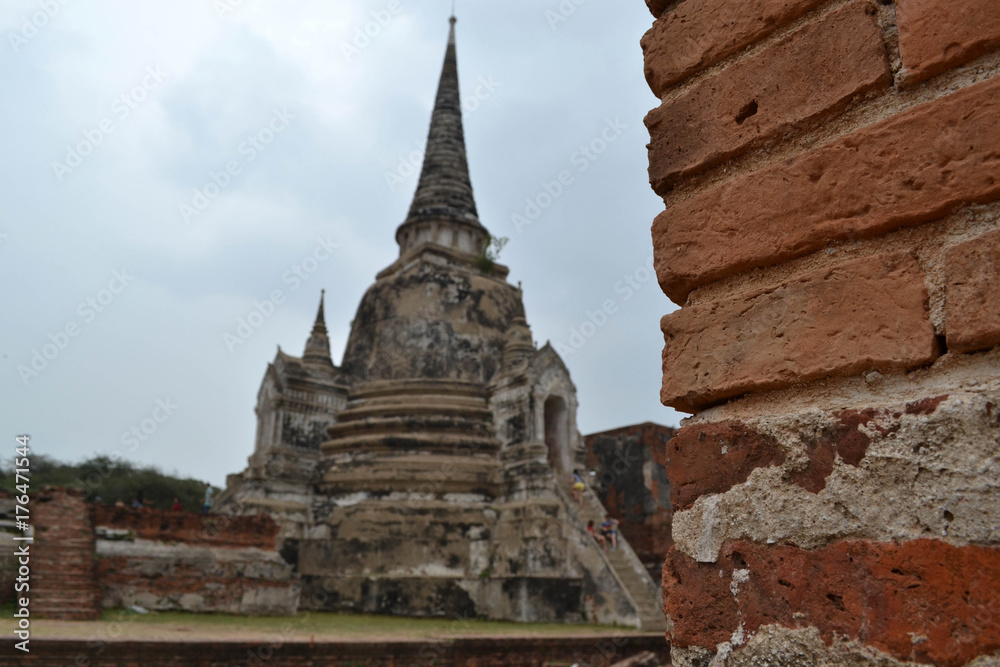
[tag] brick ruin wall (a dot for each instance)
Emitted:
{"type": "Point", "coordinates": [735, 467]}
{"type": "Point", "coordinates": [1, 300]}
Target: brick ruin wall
{"type": "Point", "coordinates": [831, 176]}
{"type": "Point", "coordinates": [631, 482]}
{"type": "Point", "coordinates": [93, 556]}
{"type": "Point", "coordinates": [209, 530]}
{"type": "Point", "coordinates": [63, 581]}
{"type": "Point", "coordinates": [165, 560]}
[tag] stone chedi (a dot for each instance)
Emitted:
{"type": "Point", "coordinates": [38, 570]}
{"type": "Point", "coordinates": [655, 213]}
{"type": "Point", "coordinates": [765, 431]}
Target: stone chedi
{"type": "Point", "coordinates": [427, 474]}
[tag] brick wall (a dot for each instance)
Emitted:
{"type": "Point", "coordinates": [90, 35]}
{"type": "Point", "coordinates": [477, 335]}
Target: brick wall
{"type": "Point", "coordinates": [218, 530]}
{"type": "Point", "coordinates": [831, 178]}
{"type": "Point", "coordinates": [88, 556]}
{"type": "Point", "coordinates": [165, 560]}
{"type": "Point", "coordinates": [630, 479]}
{"type": "Point", "coordinates": [63, 576]}
{"type": "Point", "coordinates": [271, 651]}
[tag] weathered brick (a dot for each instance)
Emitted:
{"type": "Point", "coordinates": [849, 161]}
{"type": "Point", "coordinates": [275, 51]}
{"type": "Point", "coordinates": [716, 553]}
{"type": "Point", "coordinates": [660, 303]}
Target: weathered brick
{"type": "Point", "coordinates": [914, 167]}
{"type": "Point", "coordinates": [816, 69]}
{"type": "Point", "coordinates": [257, 530]}
{"type": "Point", "coordinates": [699, 33]}
{"type": "Point", "coordinates": [205, 581]}
{"type": "Point", "coordinates": [658, 7]}
{"type": "Point", "coordinates": [972, 299]}
{"type": "Point", "coordinates": [925, 406]}
{"type": "Point", "coordinates": [63, 573]}
{"type": "Point", "coordinates": [869, 313]}
{"type": "Point", "coordinates": [712, 458]}
{"type": "Point", "coordinates": [844, 439]}
{"type": "Point", "coordinates": [923, 600]}
{"type": "Point", "coordinates": [937, 34]}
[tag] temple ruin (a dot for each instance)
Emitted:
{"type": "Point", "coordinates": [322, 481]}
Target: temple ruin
{"type": "Point", "coordinates": [428, 473]}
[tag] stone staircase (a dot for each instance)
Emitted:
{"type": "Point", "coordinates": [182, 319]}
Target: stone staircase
{"type": "Point", "coordinates": [63, 576]}
{"type": "Point", "coordinates": [650, 606]}
{"type": "Point", "coordinates": [623, 562]}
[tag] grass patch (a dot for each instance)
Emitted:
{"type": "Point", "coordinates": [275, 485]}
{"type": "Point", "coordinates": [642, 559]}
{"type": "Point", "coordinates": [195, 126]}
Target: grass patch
{"type": "Point", "coordinates": [349, 625]}
{"type": "Point", "coordinates": [123, 624]}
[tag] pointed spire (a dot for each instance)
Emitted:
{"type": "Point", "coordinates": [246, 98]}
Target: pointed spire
{"type": "Point", "coordinates": [318, 346]}
{"type": "Point", "coordinates": [444, 192]}
{"type": "Point", "coordinates": [320, 323]}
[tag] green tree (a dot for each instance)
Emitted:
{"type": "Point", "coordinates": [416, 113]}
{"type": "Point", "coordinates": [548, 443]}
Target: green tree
{"type": "Point", "coordinates": [110, 479]}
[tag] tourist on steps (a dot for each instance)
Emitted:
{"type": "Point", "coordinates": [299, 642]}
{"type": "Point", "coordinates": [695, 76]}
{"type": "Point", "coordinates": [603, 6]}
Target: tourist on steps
{"type": "Point", "coordinates": [578, 487]}
{"type": "Point", "coordinates": [609, 529]}
{"type": "Point", "coordinates": [599, 538]}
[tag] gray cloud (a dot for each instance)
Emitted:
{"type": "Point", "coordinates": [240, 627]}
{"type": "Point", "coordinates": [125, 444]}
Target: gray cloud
{"type": "Point", "coordinates": [325, 175]}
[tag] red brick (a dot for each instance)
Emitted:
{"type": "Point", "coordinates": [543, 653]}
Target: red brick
{"type": "Point", "coordinates": [699, 33]}
{"type": "Point", "coordinates": [925, 406]}
{"type": "Point", "coordinates": [64, 577]}
{"type": "Point", "coordinates": [937, 34]}
{"type": "Point", "coordinates": [817, 69]}
{"type": "Point", "coordinates": [843, 439]}
{"type": "Point", "coordinates": [214, 530]}
{"type": "Point", "coordinates": [869, 313]}
{"type": "Point", "coordinates": [713, 458]}
{"type": "Point", "coordinates": [923, 600]}
{"type": "Point", "coordinates": [914, 167]}
{"type": "Point", "coordinates": [972, 298]}
{"type": "Point", "coordinates": [658, 7]}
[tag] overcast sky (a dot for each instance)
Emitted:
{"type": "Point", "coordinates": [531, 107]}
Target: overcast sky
{"type": "Point", "coordinates": [129, 250]}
